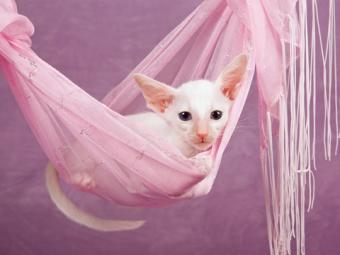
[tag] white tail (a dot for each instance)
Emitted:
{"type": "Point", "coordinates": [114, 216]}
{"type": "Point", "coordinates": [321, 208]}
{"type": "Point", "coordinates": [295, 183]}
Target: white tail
{"type": "Point", "coordinates": [65, 205]}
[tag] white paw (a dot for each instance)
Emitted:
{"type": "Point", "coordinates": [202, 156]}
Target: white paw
{"type": "Point", "coordinates": [204, 163]}
{"type": "Point", "coordinates": [84, 181]}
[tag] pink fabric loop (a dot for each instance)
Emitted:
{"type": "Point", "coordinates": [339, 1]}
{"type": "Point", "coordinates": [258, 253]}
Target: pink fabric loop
{"type": "Point", "coordinates": [17, 29]}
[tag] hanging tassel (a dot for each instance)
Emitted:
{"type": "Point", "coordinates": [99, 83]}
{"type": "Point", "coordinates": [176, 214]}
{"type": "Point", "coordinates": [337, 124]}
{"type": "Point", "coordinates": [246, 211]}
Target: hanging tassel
{"type": "Point", "coordinates": [288, 157]}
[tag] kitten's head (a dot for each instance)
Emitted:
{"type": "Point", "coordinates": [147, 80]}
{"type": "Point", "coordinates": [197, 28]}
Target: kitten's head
{"type": "Point", "coordinates": [197, 110]}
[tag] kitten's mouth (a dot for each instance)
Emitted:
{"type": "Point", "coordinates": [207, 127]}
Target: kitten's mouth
{"type": "Point", "coordinates": [202, 145]}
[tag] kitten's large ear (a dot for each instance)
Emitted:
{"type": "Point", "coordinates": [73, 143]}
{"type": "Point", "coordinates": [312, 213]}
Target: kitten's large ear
{"type": "Point", "coordinates": [157, 95]}
{"type": "Point", "coordinates": [231, 76]}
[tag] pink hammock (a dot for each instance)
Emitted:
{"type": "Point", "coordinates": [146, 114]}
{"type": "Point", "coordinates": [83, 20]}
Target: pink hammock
{"type": "Point", "coordinates": [81, 135]}
{"type": "Point", "coordinates": [131, 166]}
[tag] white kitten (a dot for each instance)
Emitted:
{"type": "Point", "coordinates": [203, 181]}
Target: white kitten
{"type": "Point", "coordinates": [190, 117]}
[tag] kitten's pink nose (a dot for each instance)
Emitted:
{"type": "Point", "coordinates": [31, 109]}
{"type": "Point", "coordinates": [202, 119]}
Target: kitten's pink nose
{"type": "Point", "coordinates": [202, 135]}
{"type": "Point", "coordinates": [202, 130]}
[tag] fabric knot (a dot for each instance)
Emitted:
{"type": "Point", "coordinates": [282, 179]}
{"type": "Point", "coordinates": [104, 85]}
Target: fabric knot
{"type": "Point", "coordinates": [15, 28]}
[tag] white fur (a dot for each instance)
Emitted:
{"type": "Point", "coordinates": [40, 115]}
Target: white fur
{"type": "Point", "coordinates": [199, 98]}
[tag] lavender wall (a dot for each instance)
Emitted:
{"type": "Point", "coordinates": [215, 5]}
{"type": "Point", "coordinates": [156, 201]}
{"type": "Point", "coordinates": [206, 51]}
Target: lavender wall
{"type": "Point", "coordinates": [96, 43]}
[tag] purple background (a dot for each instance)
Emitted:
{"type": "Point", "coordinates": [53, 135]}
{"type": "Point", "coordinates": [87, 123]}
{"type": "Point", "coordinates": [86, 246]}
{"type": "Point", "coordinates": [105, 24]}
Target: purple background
{"type": "Point", "coordinates": [96, 44]}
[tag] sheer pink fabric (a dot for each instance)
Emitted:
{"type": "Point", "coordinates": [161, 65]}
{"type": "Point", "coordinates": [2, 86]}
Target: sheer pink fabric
{"type": "Point", "coordinates": [128, 165]}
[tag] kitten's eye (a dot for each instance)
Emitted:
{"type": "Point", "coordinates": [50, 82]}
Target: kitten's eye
{"type": "Point", "coordinates": [185, 116]}
{"type": "Point", "coordinates": [216, 115]}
